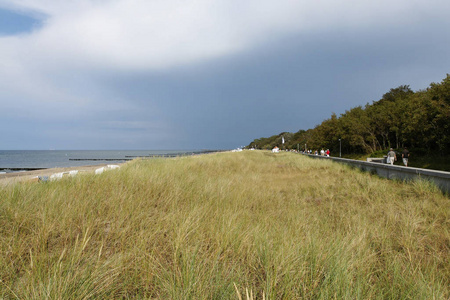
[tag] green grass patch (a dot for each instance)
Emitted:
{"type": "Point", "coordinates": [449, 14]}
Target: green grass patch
{"type": "Point", "coordinates": [224, 226]}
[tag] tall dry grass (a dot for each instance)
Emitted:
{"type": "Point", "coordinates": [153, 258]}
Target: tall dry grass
{"type": "Point", "coordinates": [225, 226]}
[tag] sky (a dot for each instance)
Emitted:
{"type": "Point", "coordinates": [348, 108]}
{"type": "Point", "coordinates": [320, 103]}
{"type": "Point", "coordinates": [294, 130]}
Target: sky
{"type": "Point", "coordinates": [203, 74]}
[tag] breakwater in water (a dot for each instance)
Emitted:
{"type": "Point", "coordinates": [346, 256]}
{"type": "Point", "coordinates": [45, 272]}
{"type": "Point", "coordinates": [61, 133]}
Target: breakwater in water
{"type": "Point", "coordinates": [28, 160]}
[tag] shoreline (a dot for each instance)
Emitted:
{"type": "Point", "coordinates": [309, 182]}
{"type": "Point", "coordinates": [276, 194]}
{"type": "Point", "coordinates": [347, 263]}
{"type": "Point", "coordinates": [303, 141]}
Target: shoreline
{"type": "Point", "coordinates": [31, 176]}
{"type": "Point", "coordinates": [10, 178]}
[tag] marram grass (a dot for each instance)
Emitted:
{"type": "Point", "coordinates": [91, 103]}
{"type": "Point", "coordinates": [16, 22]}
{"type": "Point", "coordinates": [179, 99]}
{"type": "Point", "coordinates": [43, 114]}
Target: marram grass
{"type": "Point", "coordinates": [248, 225]}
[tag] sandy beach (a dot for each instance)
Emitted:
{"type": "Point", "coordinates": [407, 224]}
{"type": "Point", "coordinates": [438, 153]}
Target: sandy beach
{"type": "Point", "coordinates": [11, 178]}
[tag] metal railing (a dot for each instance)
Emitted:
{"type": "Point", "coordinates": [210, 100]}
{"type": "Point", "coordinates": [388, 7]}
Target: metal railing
{"type": "Point", "coordinates": [440, 178]}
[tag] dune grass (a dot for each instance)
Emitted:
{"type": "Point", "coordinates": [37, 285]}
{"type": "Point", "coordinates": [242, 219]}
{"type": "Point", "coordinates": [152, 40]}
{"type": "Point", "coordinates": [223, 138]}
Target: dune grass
{"type": "Point", "coordinates": [248, 225]}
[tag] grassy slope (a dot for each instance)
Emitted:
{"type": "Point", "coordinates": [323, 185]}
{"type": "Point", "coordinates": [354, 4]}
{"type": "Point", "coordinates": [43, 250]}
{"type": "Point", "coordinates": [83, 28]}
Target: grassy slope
{"type": "Point", "coordinates": [215, 225]}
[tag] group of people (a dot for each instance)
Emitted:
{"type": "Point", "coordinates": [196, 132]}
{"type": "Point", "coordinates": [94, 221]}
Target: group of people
{"type": "Point", "coordinates": [392, 156]}
{"type": "Point", "coordinates": [316, 152]}
{"type": "Point", "coordinates": [325, 152]}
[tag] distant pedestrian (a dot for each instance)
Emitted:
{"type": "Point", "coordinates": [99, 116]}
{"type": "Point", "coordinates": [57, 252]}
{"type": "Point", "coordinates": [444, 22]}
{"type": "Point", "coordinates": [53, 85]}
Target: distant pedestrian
{"type": "Point", "coordinates": [391, 157]}
{"type": "Point", "coordinates": [328, 152]}
{"type": "Point", "coordinates": [322, 152]}
{"type": "Point", "coordinates": [405, 156]}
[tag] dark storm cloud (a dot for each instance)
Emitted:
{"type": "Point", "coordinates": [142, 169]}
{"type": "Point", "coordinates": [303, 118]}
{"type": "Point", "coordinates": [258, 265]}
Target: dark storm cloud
{"type": "Point", "coordinates": [213, 74]}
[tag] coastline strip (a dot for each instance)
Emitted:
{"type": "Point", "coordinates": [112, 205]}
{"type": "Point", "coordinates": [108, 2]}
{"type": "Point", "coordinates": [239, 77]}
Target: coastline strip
{"type": "Point", "coordinates": [15, 177]}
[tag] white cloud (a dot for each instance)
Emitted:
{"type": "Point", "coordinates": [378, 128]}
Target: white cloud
{"type": "Point", "coordinates": [142, 34]}
{"type": "Point", "coordinates": [82, 37]}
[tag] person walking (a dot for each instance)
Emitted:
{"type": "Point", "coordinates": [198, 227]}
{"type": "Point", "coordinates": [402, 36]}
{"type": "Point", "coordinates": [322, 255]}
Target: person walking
{"type": "Point", "coordinates": [391, 157]}
{"type": "Point", "coordinates": [405, 156]}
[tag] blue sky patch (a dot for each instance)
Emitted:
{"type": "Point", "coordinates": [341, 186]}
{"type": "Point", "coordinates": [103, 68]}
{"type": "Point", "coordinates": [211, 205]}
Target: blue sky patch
{"type": "Point", "coordinates": [12, 23]}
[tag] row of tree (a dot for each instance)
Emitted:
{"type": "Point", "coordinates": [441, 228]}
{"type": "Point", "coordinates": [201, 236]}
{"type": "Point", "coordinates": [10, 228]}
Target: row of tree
{"type": "Point", "coordinates": [419, 120]}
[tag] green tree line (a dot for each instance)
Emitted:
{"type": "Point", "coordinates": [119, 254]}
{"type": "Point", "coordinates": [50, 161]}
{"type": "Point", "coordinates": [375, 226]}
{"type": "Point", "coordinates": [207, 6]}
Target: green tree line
{"type": "Point", "coordinates": [401, 118]}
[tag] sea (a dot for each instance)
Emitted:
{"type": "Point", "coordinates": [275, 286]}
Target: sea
{"type": "Point", "coordinates": [26, 160]}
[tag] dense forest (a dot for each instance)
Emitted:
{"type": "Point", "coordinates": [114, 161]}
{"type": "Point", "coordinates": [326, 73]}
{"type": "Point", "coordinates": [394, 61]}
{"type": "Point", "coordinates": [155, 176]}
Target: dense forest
{"type": "Point", "coordinates": [401, 118]}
